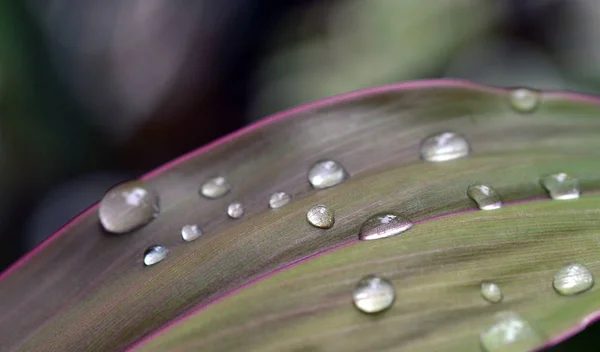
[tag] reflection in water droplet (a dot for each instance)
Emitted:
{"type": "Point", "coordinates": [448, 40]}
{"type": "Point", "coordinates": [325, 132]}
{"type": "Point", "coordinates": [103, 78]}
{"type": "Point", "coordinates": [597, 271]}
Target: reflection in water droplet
{"type": "Point", "coordinates": [191, 233]}
{"type": "Point", "coordinates": [491, 292]}
{"type": "Point", "coordinates": [235, 210]}
{"type": "Point", "coordinates": [573, 279]}
{"type": "Point", "coordinates": [279, 199]}
{"type": "Point", "coordinates": [373, 294]}
{"type": "Point", "coordinates": [485, 197]}
{"type": "Point", "coordinates": [155, 254]}
{"type": "Point", "coordinates": [215, 187]}
{"type": "Point", "coordinates": [510, 333]}
{"type": "Point", "coordinates": [127, 207]}
{"type": "Point", "coordinates": [383, 225]}
{"type": "Point", "coordinates": [444, 146]}
{"type": "Point", "coordinates": [321, 216]}
{"type": "Point", "coordinates": [524, 100]}
{"type": "Point", "coordinates": [326, 173]}
{"type": "Point", "coordinates": [561, 186]}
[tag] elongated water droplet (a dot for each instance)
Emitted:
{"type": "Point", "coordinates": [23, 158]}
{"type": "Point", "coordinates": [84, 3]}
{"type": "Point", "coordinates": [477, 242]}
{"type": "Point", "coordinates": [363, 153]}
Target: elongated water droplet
{"type": "Point", "coordinates": [326, 173]}
{"type": "Point", "coordinates": [155, 254]}
{"type": "Point", "coordinates": [373, 294]}
{"type": "Point", "coordinates": [485, 197]}
{"type": "Point", "coordinates": [383, 225]}
{"type": "Point", "coordinates": [321, 216]}
{"type": "Point", "coordinates": [561, 186]}
{"type": "Point", "coordinates": [127, 207]}
{"type": "Point", "coordinates": [235, 210]}
{"type": "Point", "coordinates": [215, 187]}
{"type": "Point", "coordinates": [191, 233]}
{"type": "Point", "coordinates": [524, 100]}
{"type": "Point", "coordinates": [491, 292]}
{"type": "Point", "coordinates": [510, 333]}
{"type": "Point", "coordinates": [279, 199]}
{"type": "Point", "coordinates": [573, 279]}
{"type": "Point", "coordinates": [444, 146]}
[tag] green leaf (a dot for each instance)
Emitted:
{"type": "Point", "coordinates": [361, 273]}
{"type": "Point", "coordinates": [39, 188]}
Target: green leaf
{"type": "Point", "coordinates": [86, 290]}
{"type": "Point", "coordinates": [437, 268]}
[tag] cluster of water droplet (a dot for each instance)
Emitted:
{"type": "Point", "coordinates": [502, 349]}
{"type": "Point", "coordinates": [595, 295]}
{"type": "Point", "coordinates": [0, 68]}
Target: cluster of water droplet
{"type": "Point", "coordinates": [131, 205]}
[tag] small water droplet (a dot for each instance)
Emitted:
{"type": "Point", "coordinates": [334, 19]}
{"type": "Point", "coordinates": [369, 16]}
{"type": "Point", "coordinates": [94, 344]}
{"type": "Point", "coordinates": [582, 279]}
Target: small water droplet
{"type": "Point", "coordinates": [524, 100]}
{"type": "Point", "coordinates": [444, 146]}
{"type": "Point", "coordinates": [235, 210]}
{"type": "Point", "coordinates": [155, 254]}
{"type": "Point", "coordinates": [561, 186]}
{"type": "Point", "coordinates": [191, 233]}
{"type": "Point", "coordinates": [127, 207]}
{"type": "Point", "coordinates": [373, 294]}
{"type": "Point", "coordinates": [511, 333]}
{"type": "Point", "coordinates": [491, 292]}
{"type": "Point", "coordinates": [215, 187]}
{"type": "Point", "coordinates": [326, 173]}
{"type": "Point", "coordinates": [321, 216]}
{"type": "Point", "coordinates": [573, 279]}
{"type": "Point", "coordinates": [485, 197]}
{"type": "Point", "coordinates": [279, 199]}
{"type": "Point", "coordinates": [383, 225]}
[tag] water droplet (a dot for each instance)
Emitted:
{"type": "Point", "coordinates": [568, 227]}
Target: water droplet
{"type": "Point", "coordinates": [444, 146]}
{"type": "Point", "coordinates": [524, 100]}
{"type": "Point", "coordinates": [383, 225]}
{"type": "Point", "coordinates": [561, 186]}
{"type": "Point", "coordinates": [491, 292]}
{"type": "Point", "coordinates": [155, 254]}
{"type": "Point", "coordinates": [235, 210]}
{"type": "Point", "coordinates": [191, 233]}
{"type": "Point", "coordinates": [127, 207]}
{"type": "Point", "coordinates": [215, 187]}
{"type": "Point", "coordinates": [373, 294]}
{"type": "Point", "coordinates": [511, 333]}
{"type": "Point", "coordinates": [485, 197]}
{"type": "Point", "coordinates": [279, 199]}
{"type": "Point", "coordinates": [326, 173]}
{"type": "Point", "coordinates": [321, 216]}
{"type": "Point", "coordinates": [573, 279]}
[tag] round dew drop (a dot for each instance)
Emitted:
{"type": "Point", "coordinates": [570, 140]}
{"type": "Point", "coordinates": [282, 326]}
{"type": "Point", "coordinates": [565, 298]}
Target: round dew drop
{"type": "Point", "coordinates": [127, 207]}
{"type": "Point", "coordinates": [326, 173]}
{"type": "Point", "coordinates": [321, 216]}
{"type": "Point", "coordinates": [373, 294]}
{"type": "Point", "coordinates": [191, 233]}
{"type": "Point", "coordinates": [444, 146]}
{"type": "Point", "coordinates": [155, 254]}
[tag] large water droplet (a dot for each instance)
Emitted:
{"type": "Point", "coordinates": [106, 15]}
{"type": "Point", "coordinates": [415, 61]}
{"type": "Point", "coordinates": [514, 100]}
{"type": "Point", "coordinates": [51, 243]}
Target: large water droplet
{"type": "Point", "coordinates": [215, 187]}
{"type": "Point", "coordinates": [383, 225]}
{"type": "Point", "coordinates": [326, 173]}
{"type": "Point", "coordinates": [561, 186]}
{"type": "Point", "coordinates": [235, 210]}
{"type": "Point", "coordinates": [524, 100]}
{"type": "Point", "coordinates": [373, 294]}
{"type": "Point", "coordinates": [155, 254]}
{"type": "Point", "coordinates": [279, 199]}
{"type": "Point", "coordinates": [573, 279]}
{"type": "Point", "coordinates": [191, 233]}
{"type": "Point", "coordinates": [511, 333]}
{"type": "Point", "coordinates": [127, 207]}
{"type": "Point", "coordinates": [321, 216]}
{"type": "Point", "coordinates": [485, 197]}
{"type": "Point", "coordinates": [491, 292]}
{"type": "Point", "coordinates": [444, 146]}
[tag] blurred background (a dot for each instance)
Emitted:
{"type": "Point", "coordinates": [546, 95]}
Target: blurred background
{"type": "Point", "coordinates": [94, 92]}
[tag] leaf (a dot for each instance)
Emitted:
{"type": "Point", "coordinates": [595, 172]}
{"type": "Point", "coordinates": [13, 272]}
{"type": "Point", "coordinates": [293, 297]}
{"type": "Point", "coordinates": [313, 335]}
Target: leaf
{"type": "Point", "coordinates": [437, 269]}
{"type": "Point", "coordinates": [85, 290]}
